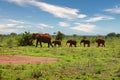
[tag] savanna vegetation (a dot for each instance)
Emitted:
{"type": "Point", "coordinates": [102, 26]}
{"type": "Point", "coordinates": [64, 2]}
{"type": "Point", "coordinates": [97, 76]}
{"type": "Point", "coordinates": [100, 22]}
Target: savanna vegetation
{"type": "Point", "coordinates": [76, 63]}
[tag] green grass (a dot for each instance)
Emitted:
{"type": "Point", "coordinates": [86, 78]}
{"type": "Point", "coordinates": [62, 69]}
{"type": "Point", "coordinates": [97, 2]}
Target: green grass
{"type": "Point", "coordinates": [76, 63]}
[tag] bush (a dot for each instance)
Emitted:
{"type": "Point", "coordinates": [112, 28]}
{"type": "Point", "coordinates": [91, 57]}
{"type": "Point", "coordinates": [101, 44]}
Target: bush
{"type": "Point", "coordinates": [25, 40]}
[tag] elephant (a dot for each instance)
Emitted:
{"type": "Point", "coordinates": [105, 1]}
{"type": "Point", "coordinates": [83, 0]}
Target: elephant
{"type": "Point", "coordinates": [100, 42]}
{"type": "Point", "coordinates": [71, 42]}
{"type": "Point", "coordinates": [46, 38]}
{"type": "Point", "coordinates": [56, 42]}
{"type": "Point", "coordinates": [85, 42]}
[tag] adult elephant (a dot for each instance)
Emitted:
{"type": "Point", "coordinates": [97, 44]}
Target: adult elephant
{"type": "Point", "coordinates": [85, 42]}
{"type": "Point", "coordinates": [46, 38]}
{"type": "Point", "coordinates": [56, 42]}
{"type": "Point", "coordinates": [71, 42]}
{"type": "Point", "coordinates": [100, 42]}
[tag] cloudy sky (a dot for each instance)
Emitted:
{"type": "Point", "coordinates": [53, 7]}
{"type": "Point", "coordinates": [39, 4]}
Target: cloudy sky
{"type": "Point", "coordinates": [82, 17]}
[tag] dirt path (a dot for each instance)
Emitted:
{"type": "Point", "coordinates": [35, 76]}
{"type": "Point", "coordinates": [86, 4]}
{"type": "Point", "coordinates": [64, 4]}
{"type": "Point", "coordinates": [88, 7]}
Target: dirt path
{"type": "Point", "coordinates": [20, 59]}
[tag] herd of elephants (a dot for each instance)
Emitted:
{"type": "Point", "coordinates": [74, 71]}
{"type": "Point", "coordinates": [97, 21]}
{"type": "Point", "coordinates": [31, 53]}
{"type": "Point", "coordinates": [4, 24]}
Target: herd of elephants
{"type": "Point", "coordinates": [46, 38]}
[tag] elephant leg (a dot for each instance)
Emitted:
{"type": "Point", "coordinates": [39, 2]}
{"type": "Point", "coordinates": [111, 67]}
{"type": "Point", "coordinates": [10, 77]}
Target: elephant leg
{"type": "Point", "coordinates": [50, 44]}
{"type": "Point", "coordinates": [88, 45]}
{"type": "Point", "coordinates": [84, 44]}
{"type": "Point", "coordinates": [40, 44]}
{"type": "Point", "coordinates": [103, 45]}
{"type": "Point", "coordinates": [70, 45]}
{"type": "Point", "coordinates": [36, 43]}
{"type": "Point", "coordinates": [75, 45]}
{"type": "Point", "coordinates": [55, 44]}
{"type": "Point", "coordinates": [98, 44]}
{"type": "Point", "coordinates": [58, 45]}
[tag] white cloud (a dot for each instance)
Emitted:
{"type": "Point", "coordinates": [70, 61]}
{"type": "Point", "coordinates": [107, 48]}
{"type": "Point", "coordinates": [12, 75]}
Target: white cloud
{"type": "Point", "coordinates": [11, 25]}
{"type": "Point", "coordinates": [7, 28]}
{"type": "Point", "coordinates": [115, 10]}
{"type": "Point", "coordinates": [61, 12]}
{"type": "Point", "coordinates": [7, 25]}
{"type": "Point", "coordinates": [18, 26]}
{"type": "Point", "coordinates": [15, 21]}
{"type": "Point", "coordinates": [23, 26]}
{"type": "Point", "coordinates": [42, 26]}
{"type": "Point", "coordinates": [63, 24]}
{"type": "Point", "coordinates": [19, 2]}
{"type": "Point", "coordinates": [84, 27]}
{"type": "Point", "coordinates": [99, 18]}
{"type": "Point", "coordinates": [58, 11]}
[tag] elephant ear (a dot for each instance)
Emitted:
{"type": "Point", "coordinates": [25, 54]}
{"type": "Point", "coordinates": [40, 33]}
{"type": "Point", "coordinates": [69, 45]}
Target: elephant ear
{"type": "Point", "coordinates": [33, 36]}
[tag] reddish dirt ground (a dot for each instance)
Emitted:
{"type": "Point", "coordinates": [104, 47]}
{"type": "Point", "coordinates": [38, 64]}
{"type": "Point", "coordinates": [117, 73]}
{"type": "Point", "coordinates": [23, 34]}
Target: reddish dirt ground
{"type": "Point", "coordinates": [20, 59]}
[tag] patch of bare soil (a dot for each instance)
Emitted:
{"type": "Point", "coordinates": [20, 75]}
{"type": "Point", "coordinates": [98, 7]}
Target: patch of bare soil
{"type": "Point", "coordinates": [20, 59]}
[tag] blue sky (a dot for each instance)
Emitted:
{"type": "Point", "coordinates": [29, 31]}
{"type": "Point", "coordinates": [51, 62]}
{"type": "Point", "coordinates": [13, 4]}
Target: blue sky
{"type": "Point", "coordinates": [81, 17]}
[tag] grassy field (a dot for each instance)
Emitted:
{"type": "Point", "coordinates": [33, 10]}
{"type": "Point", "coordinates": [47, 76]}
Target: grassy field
{"type": "Point", "coordinates": [76, 63]}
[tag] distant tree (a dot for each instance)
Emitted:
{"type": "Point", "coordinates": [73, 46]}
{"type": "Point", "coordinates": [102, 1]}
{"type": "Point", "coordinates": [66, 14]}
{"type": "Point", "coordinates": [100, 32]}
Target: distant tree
{"type": "Point", "coordinates": [13, 34]}
{"type": "Point", "coordinates": [112, 34]}
{"type": "Point", "coordinates": [59, 35]}
{"type": "Point", "coordinates": [118, 35]}
{"type": "Point", "coordinates": [84, 37]}
{"type": "Point", "coordinates": [54, 33]}
{"type": "Point", "coordinates": [74, 35]}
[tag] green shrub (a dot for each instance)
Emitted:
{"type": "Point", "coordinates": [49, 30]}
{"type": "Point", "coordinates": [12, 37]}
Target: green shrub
{"type": "Point", "coordinates": [25, 40]}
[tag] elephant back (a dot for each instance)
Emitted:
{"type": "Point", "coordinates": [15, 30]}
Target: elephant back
{"type": "Point", "coordinates": [35, 35]}
{"type": "Point", "coordinates": [45, 37]}
{"type": "Point", "coordinates": [85, 41]}
{"type": "Point", "coordinates": [100, 40]}
{"type": "Point", "coordinates": [71, 41]}
{"type": "Point", "coordinates": [42, 37]}
{"type": "Point", "coordinates": [57, 41]}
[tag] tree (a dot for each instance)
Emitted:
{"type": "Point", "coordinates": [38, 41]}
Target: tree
{"type": "Point", "coordinates": [59, 36]}
{"type": "Point", "coordinates": [25, 39]}
{"type": "Point", "coordinates": [13, 34]}
{"type": "Point", "coordinates": [112, 34]}
{"type": "Point", "coordinates": [118, 35]}
{"type": "Point", "coordinates": [74, 35]}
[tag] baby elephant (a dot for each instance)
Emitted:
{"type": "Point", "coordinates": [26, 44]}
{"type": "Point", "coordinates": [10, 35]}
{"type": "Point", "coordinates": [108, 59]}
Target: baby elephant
{"type": "Point", "coordinates": [100, 42]}
{"type": "Point", "coordinates": [85, 42]}
{"type": "Point", "coordinates": [71, 42]}
{"type": "Point", "coordinates": [56, 42]}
